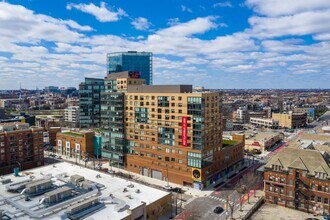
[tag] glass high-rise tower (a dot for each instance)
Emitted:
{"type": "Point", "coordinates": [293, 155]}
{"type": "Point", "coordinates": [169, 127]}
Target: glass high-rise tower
{"type": "Point", "coordinates": [131, 61]}
{"type": "Point", "coordinates": [90, 102]}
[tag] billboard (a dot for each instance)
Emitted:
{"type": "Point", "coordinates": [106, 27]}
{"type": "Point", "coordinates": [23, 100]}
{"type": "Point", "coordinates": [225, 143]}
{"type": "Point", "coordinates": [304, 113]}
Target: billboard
{"type": "Point", "coordinates": [184, 131]}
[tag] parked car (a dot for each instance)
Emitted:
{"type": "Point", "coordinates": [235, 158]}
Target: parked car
{"type": "Point", "coordinates": [167, 187]}
{"type": "Point", "coordinates": [218, 210]}
{"type": "Point", "coordinates": [177, 190]}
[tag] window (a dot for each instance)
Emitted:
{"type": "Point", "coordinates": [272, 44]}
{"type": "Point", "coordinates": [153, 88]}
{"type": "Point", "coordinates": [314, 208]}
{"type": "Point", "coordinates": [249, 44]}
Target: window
{"type": "Point", "coordinates": [276, 179]}
{"type": "Point", "coordinates": [180, 161]}
{"type": "Point", "coordinates": [312, 198]}
{"type": "Point", "coordinates": [326, 201]}
{"type": "Point", "coordinates": [270, 188]}
{"type": "Point", "coordinates": [304, 173]}
{"type": "Point", "coordinates": [290, 182]}
{"type": "Point", "coordinates": [282, 190]}
{"type": "Point", "coordinates": [326, 189]}
{"type": "Point", "coordinates": [180, 151]}
{"type": "Point", "coordinates": [276, 189]}
{"type": "Point", "coordinates": [270, 178]}
{"type": "Point", "coordinates": [319, 188]}
{"type": "Point", "coordinates": [319, 199]}
{"type": "Point", "coordinates": [167, 150]}
{"type": "Point", "coordinates": [282, 180]}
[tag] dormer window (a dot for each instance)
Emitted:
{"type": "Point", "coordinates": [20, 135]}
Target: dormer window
{"type": "Point", "coordinates": [320, 175]}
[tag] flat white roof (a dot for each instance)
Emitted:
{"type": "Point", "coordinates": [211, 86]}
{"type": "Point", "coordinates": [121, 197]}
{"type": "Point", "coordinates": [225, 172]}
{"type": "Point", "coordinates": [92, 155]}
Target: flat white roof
{"type": "Point", "coordinates": [112, 185]}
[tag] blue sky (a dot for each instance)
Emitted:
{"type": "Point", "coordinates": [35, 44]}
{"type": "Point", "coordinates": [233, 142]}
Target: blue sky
{"type": "Point", "coordinates": [215, 44]}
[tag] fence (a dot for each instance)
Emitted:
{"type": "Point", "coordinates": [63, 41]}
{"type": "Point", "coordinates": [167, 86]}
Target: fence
{"type": "Point", "coordinates": [254, 208]}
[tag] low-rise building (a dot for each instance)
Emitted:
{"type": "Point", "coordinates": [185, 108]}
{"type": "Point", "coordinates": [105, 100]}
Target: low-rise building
{"type": "Point", "coordinates": [298, 179]}
{"type": "Point", "coordinates": [264, 122]}
{"type": "Point", "coordinates": [262, 141]}
{"type": "Point", "coordinates": [74, 144]}
{"type": "Point", "coordinates": [20, 146]}
{"type": "Point", "coordinates": [326, 129]}
{"type": "Point", "coordinates": [92, 195]}
{"type": "Point", "coordinates": [290, 120]}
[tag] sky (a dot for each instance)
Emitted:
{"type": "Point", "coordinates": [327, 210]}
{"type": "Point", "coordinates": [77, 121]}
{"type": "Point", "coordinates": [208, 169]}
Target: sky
{"type": "Point", "coordinates": [216, 44]}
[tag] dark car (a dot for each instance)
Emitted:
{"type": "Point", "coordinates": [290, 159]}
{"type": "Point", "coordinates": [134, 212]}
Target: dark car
{"type": "Point", "coordinates": [177, 190]}
{"type": "Point", "coordinates": [218, 210]}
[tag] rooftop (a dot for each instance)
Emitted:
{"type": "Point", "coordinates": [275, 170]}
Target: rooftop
{"type": "Point", "coordinates": [160, 89]}
{"type": "Point", "coordinates": [110, 190]}
{"type": "Point", "coordinates": [70, 133]}
{"type": "Point", "coordinates": [310, 160]}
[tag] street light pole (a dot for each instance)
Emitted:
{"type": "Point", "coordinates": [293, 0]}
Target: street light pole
{"type": "Point", "coordinates": [167, 173]}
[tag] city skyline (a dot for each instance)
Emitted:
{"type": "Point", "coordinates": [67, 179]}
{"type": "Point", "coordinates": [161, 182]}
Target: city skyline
{"type": "Point", "coordinates": [215, 44]}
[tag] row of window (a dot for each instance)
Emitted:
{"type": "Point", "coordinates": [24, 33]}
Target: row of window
{"type": "Point", "coordinates": [159, 157]}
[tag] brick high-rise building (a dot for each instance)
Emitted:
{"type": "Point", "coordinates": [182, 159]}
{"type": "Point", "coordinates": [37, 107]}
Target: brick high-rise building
{"type": "Point", "coordinates": [20, 146]}
{"type": "Point", "coordinates": [298, 179]}
{"type": "Point", "coordinates": [176, 135]}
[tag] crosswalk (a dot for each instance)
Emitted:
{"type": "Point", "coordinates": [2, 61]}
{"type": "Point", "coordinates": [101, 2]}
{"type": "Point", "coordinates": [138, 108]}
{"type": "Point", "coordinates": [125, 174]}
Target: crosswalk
{"type": "Point", "coordinates": [223, 200]}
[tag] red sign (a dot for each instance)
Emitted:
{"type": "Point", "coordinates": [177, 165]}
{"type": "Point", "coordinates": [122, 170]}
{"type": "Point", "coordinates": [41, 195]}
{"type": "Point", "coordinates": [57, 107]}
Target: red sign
{"type": "Point", "coordinates": [184, 131]}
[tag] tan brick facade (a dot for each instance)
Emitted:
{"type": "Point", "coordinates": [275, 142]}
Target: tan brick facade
{"type": "Point", "coordinates": [173, 161]}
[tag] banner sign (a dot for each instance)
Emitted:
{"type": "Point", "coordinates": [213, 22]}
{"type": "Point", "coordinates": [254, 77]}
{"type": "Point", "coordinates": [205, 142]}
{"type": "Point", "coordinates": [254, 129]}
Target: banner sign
{"type": "Point", "coordinates": [184, 131]}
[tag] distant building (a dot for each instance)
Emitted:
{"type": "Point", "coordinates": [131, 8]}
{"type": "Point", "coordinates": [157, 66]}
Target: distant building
{"type": "Point", "coordinates": [326, 129]}
{"type": "Point", "coordinates": [90, 102]}
{"type": "Point", "coordinates": [71, 116]}
{"type": "Point", "coordinates": [21, 146]}
{"type": "Point", "coordinates": [2, 113]}
{"type": "Point", "coordinates": [240, 115]}
{"type": "Point", "coordinates": [264, 122]}
{"type": "Point", "coordinates": [22, 117]}
{"type": "Point", "coordinates": [298, 179]}
{"type": "Point", "coordinates": [131, 61]}
{"type": "Point", "coordinates": [262, 141]}
{"type": "Point", "coordinates": [310, 112]}
{"type": "Point", "coordinates": [74, 144]}
{"type": "Point", "coordinates": [290, 120]}
{"type": "Point", "coordinates": [53, 89]}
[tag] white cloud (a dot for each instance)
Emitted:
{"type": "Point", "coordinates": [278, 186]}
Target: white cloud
{"type": "Point", "coordinates": [76, 26]}
{"type": "Point", "coordinates": [283, 7]}
{"type": "Point", "coordinates": [186, 9]}
{"type": "Point", "coordinates": [141, 23]}
{"type": "Point", "coordinates": [305, 23]}
{"type": "Point", "coordinates": [61, 50]}
{"type": "Point", "coordinates": [226, 4]}
{"type": "Point", "coordinates": [102, 13]}
{"type": "Point", "coordinates": [195, 26]}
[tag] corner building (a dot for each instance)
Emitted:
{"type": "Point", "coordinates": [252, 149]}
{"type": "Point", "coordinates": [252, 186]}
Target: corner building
{"type": "Point", "coordinates": [298, 179]}
{"type": "Point", "coordinates": [175, 135]}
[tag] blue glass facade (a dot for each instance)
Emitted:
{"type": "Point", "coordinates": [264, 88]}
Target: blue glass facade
{"type": "Point", "coordinates": [131, 61]}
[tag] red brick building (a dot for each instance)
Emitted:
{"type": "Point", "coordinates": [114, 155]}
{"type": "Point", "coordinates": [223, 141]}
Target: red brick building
{"type": "Point", "coordinates": [20, 146]}
{"type": "Point", "coordinates": [298, 179]}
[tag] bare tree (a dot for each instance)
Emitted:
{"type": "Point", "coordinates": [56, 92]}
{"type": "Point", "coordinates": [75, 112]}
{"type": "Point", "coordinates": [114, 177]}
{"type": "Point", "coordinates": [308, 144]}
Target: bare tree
{"type": "Point", "coordinates": [231, 202]}
{"type": "Point", "coordinates": [241, 189]}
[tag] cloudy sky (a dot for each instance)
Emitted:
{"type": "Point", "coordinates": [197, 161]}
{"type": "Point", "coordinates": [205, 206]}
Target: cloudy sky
{"type": "Point", "coordinates": [216, 44]}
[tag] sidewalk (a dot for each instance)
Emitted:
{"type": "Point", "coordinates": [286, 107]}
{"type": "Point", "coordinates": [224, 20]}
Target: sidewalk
{"type": "Point", "coordinates": [248, 206]}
